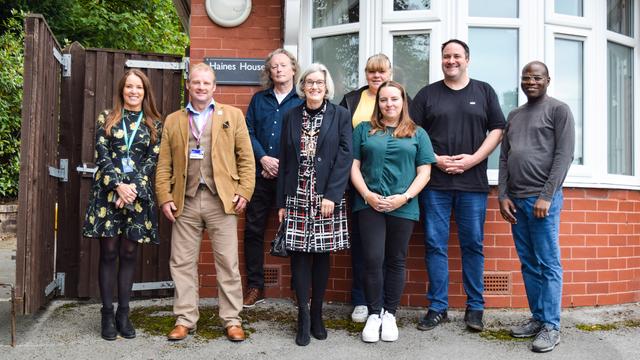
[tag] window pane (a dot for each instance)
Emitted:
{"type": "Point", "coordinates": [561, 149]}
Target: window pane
{"type": "Point", "coordinates": [411, 61]}
{"type": "Point", "coordinates": [569, 7]}
{"type": "Point", "coordinates": [568, 77]}
{"type": "Point", "coordinates": [494, 8]}
{"type": "Point", "coordinates": [335, 12]}
{"type": "Point", "coordinates": [340, 55]}
{"type": "Point", "coordinates": [620, 16]}
{"type": "Point", "coordinates": [620, 109]}
{"type": "Point", "coordinates": [399, 5]}
{"type": "Point", "coordinates": [497, 65]}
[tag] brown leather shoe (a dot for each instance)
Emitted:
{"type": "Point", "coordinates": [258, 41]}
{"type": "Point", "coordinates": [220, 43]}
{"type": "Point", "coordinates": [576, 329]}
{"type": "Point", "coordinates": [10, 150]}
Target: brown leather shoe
{"type": "Point", "coordinates": [179, 333]}
{"type": "Point", "coordinates": [235, 333]}
{"type": "Point", "coordinates": [252, 297]}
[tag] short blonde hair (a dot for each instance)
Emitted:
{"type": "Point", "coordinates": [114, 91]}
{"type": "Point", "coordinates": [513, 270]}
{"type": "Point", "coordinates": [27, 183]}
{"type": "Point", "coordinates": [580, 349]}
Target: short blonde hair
{"type": "Point", "coordinates": [201, 67]}
{"type": "Point", "coordinates": [378, 62]}
{"type": "Point", "coordinates": [328, 81]}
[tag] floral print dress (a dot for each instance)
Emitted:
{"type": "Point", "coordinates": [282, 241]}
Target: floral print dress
{"type": "Point", "coordinates": [138, 222]}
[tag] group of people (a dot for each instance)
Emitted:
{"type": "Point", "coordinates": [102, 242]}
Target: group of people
{"type": "Point", "coordinates": [368, 160]}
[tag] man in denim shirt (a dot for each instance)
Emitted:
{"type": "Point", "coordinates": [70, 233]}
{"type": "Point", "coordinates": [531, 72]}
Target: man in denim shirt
{"type": "Point", "coordinates": [264, 120]}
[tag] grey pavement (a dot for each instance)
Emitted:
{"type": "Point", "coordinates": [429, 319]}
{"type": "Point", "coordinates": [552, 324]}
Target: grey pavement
{"type": "Point", "coordinates": [72, 332]}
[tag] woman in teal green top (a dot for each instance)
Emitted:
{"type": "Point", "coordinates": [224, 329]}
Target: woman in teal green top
{"type": "Point", "coordinates": [392, 163]}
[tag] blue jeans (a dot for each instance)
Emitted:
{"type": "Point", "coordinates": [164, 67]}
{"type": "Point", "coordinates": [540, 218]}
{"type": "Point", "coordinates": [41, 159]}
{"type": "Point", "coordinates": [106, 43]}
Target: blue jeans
{"type": "Point", "coordinates": [538, 246]}
{"type": "Point", "coordinates": [470, 210]}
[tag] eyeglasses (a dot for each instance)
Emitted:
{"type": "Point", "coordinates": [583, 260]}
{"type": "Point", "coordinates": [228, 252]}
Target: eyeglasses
{"type": "Point", "coordinates": [534, 78]}
{"type": "Point", "coordinates": [310, 83]}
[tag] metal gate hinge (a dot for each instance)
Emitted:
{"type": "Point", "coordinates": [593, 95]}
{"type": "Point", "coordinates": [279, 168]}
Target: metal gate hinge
{"type": "Point", "coordinates": [64, 60]}
{"type": "Point", "coordinates": [63, 172]}
{"type": "Point", "coordinates": [58, 283]}
{"type": "Point", "coordinates": [149, 64]}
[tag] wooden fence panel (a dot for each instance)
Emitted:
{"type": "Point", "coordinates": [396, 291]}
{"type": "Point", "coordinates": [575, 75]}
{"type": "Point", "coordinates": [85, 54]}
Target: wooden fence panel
{"type": "Point", "coordinates": [102, 71]}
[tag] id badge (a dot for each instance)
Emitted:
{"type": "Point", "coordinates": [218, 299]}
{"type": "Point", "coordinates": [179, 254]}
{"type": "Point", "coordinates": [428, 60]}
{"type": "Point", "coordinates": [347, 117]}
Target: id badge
{"type": "Point", "coordinates": [196, 154]}
{"type": "Point", "coordinates": [127, 165]}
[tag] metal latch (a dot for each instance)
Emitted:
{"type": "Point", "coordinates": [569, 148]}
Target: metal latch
{"type": "Point", "coordinates": [63, 172]}
{"type": "Point", "coordinates": [84, 170]}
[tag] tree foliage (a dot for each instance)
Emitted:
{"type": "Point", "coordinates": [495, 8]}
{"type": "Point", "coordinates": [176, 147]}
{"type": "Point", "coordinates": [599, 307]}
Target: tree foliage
{"type": "Point", "coordinates": [141, 25]}
{"type": "Point", "coordinates": [11, 53]}
{"type": "Point", "coordinates": [138, 25]}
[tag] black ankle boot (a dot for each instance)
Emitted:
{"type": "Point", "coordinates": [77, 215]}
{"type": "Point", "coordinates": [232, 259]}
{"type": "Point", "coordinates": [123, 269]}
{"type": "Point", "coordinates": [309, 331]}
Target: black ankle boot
{"type": "Point", "coordinates": [108, 327]}
{"type": "Point", "coordinates": [123, 324]}
{"type": "Point", "coordinates": [317, 325]}
{"type": "Point", "coordinates": [302, 336]}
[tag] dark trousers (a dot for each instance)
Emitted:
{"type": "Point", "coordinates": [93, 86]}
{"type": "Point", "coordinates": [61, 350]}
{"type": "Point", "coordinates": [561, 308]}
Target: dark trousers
{"type": "Point", "coordinates": [310, 270]}
{"type": "Point", "coordinates": [357, 261]}
{"type": "Point", "coordinates": [258, 210]}
{"type": "Point", "coordinates": [385, 241]}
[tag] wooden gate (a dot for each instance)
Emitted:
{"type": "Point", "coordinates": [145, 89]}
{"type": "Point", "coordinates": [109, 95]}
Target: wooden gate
{"type": "Point", "coordinates": [37, 190]}
{"type": "Point", "coordinates": [60, 107]}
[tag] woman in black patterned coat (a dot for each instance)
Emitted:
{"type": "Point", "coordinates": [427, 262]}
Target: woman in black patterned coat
{"type": "Point", "coordinates": [122, 211]}
{"type": "Point", "coordinates": [314, 163]}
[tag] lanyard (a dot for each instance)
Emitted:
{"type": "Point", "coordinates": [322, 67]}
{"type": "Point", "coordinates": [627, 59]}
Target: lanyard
{"type": "Point", "coordinates": [128, 142]}
{"type": "Point", "coordinates": [200, 129]}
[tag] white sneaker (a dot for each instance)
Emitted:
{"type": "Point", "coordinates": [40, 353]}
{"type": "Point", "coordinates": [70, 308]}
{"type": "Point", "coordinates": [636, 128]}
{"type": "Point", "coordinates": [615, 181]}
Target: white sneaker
{"type": "Point", "coordinates": [389, 327]}
{"type": "Point", "coordinates": [360, 313]}
{"type": "Point", "coordinates": [371, 332]}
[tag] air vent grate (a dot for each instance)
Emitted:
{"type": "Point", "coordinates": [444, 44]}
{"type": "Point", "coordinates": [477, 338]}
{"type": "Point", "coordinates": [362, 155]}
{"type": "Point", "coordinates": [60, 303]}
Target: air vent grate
{"type": "Point", "coordinates": [497, 283]}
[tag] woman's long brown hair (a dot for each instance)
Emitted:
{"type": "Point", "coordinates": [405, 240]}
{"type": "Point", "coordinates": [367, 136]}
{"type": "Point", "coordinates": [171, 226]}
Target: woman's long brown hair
{"type": "Point", "coordinates": [406, 127]}
{"type": "Point", "coordinates": [148, 105]}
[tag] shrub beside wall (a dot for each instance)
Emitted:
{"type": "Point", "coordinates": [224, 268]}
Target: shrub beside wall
{"type": "Point", "coordinates": [11, 53]}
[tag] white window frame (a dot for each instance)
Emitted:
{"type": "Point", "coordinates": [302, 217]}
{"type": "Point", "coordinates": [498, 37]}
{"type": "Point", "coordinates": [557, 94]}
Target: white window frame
{"type": "Point", "coordinates": [590, 127]}
{"type": "Point", "coordinates": [389, 15]}
{"type": "Point", "coordinates": [538, 26]}
{"type": "Point", "coordinates": [585, 21]}
{"type": "Point", "coordinates": [431, 28]}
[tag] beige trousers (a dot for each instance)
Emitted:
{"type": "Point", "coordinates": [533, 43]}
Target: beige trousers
{"type": "Point", "coordinates": [205, 211]}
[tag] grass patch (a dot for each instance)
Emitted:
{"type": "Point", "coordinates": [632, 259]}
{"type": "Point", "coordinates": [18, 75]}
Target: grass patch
{"type": "Point", "coordinates": [500, 335]}
{"type": "Point", "coordinates": [345, 324]}
{"type": "Point", "coordinates": [597, 327]}
{"type": "Point", "coordinates": [634, 323]}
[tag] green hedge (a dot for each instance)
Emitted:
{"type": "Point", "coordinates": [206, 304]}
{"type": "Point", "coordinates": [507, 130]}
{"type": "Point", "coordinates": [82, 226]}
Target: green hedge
{"type": "Point", "coordinates": [11, 53]}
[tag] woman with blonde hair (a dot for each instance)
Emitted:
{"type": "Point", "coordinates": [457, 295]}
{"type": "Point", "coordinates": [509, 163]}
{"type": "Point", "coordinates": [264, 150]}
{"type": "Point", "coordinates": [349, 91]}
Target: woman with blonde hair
{"type": "Point", "coordinates": [122, 210]}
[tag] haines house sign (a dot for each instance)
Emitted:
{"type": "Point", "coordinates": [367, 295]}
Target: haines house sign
{"type": "Point", "coordinates": [236, 71]}
{"type": "Point", "coordinates": [228, 13]}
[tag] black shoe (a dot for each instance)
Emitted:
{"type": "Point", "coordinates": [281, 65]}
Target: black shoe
{"type": "Point", "coordinates": [317, 325]}
{"type": "Point", "coordinates": [123, 324]}
{"type": "Point", "coordinates": [304, 325]}
{"type": "Point", "coordinates": [473, 319]}
{"type": "Point", "coordinates": [108, 326]}
{"type": "Point", "coordinates": [432, 319]}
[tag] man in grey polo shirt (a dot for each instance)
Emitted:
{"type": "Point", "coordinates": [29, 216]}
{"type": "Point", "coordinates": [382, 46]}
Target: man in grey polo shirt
{"type": "Point", "coordinates": [536, 153]}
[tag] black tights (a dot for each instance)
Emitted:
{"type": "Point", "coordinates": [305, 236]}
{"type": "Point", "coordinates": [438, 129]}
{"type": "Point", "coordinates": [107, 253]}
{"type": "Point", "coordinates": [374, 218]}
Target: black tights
{"type": "Point", "coordinates": [110, 250]}
{"type": "Point", "coordinates": [310, 269]}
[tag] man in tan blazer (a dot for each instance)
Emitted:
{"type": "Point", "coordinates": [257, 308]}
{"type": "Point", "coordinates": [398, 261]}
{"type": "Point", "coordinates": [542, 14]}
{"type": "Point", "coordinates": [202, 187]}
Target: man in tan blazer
{"type": "Point", "coordinates": [205, 177]}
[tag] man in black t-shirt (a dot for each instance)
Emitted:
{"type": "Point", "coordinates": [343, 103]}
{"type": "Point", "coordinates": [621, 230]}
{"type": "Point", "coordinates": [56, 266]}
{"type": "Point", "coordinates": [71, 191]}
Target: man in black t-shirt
{"type": "Point", "coordinates": [464, 121]}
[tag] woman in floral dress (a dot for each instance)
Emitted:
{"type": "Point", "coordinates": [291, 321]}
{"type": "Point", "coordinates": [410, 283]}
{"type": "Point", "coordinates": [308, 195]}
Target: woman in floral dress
{"type": "Point", "coordinates": [122, 210]}
{"type": "Point", "coordinates": [314, 163]}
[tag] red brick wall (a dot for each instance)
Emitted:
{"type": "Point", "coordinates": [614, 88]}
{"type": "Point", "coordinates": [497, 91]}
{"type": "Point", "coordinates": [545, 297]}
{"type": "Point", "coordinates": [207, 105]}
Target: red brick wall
{"type": "Point", "coordinates": [600, 229]}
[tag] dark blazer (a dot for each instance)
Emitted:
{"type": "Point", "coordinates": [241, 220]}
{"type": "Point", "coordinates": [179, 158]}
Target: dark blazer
{"type": "Point", "coordinates": [333, 154]}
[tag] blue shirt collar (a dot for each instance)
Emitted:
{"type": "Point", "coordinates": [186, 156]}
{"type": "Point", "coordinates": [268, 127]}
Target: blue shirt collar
{"type": "Point", "coordinates": [191, 109]}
